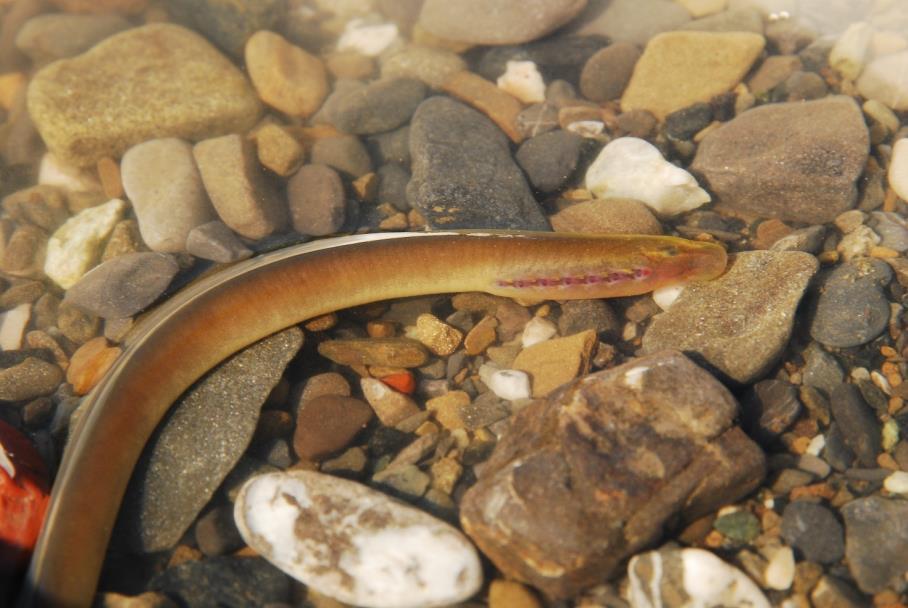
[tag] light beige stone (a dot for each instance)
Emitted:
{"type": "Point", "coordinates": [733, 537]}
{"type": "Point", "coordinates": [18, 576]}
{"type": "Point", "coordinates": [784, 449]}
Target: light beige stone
{"type": "Point", "coordinates": [76, 245]}
{"type": "Point", "coordinates": [554, 362]}
{"type": "Point", "coordinates": [286, 77]}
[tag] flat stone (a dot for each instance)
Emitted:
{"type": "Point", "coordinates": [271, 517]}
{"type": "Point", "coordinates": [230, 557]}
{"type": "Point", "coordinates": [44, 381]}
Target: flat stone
{"type": "Point", "coordinates": [658, 578]}
{"type": "Point", "coordinates": [678, 69]}
{"type": "Point", "coordinates": [634, 21]}
{"type": "Point", "coordinates": [814, 531]}
{"type": "Point", "coordinates": [237, 187]}
{"type": "Point", "coordinates": [550, 159]}
{"type": "Point", "coordinates": [851, 307]}
{"type": "Point", "coordinates": [892, 229]}
{"type": "Point", "coordinates": [430, 65]}
{"type": "Point", "coordinates": [463, 173]}
{"type": "Point", "coordinates": [857, 423]}
{"type": "Point", "coordinates": [12, 326]}
{"type": "Point", "coordinates": [202, 438]}
{"type": "Point", "coordinates": [89, 364]}
{"type": "Point", "coordinates": [46, 38]}
{"type": "Point", "coordinates": [740, 322]}
{"type": "Point", "coordinates": [326, 424]}
{"type": "Point", "coordinates": [884, 79]}
{"type": "Point", "coordinates": [379, 106]}
{"type": "Point", "coordinates": [794, 161]}
{"type": "Point", "coordinates": [498, 21]}
{"type": "Point", "coordinates": [876, 534]}
{"type": "Point", "coordinates": [770, 409]}
{"type": "Point", "coordinates": [163, 184]}
{"type": "Point", "coordinates": [216, 242]}
{"type": "Point", "coordinates": [555, 362]}
{"type": "Point", "coordinates": [141, 84]}
{"type": "Point", "coordinates": [606, 74]}
{"type": "Point", "coordinates": [76, 245]}
{"type": "Point", "coordinates": [30, 378]}
{"type": "Point", "coordinates": [223, 581]}
{"type": "Point", "coordinates": [347, 154]}
{"type": "Point", "coordinates": [821, 369]}
{"type": "Point", "coordinates": [317, 200]}
{"type": "Point", "coordinates": [607, 216]}
{"type": "Point", "coordinates": [277, 149]}
{"type": "Point", "coordinates": [384, 352]}
{"type": "Point", "coordinates": [389, 405]}
{"type": "Point", "coordinates": [285, 76]}
{"type": "Point", "coordinates": [629, 167]}
{"type": "Point", "coordinates": [500, 106]}
{"type": "Point", "coordinates": [580, 481]}
{"type": "Point", "coordinates": [124, 285]}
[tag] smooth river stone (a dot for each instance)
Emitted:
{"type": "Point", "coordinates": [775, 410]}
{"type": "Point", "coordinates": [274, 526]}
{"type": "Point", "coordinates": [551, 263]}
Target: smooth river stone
{"type": "Point", "coordinates": [143, 83]}
{"type": "Point", "coordinates": [355, 544]}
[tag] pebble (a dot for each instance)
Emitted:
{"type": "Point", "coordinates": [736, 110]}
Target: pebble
{"type": "Point", "coordinates": [216, 532]}
{"type": "Point", "coordinates": [750, 162]}
{"type": "Point", "coordinates": [229, 25]}
{"type": "Point", "coordinates": [55, 172]}
{"type": "Point", "coordinates": [326, 424]}
{"type": "Point", "coordinates": [123, 7]}
{"type": "Point", "coordinates": [780, 571]}
{"type": "Point", "coordinates": [550, 441]}
{"type": "Point", "coordinates": [455, 149]}
{"type": "Point", "coordinates": [857, 243]}
{"type": "Point", "coordinates": [46, 38]}
{"type": "Point", "coordinates": [223, 581]}
{"type": "Point", "coordinates": [770, 410]}
{"type": "Point", "coordinates": [392, 185]}
{"type": "Point", "coordinates": [581, 315]}
{"type": "Point", "coordinates": [681, 68]}
{"type": "Point", "coordinates": [885, 79]}
{"type": "Point", "coordinates": [734, 19]}
{"type": "Point", "coordinates": [89, 364]}
{"type": "Point", "coordinates": [876, 530]}
{"type": "Point", "coordinates": [76, 245]}
{"type": "Point", "coordinates": [897, 483]}
{"type": "Point", "coordinates": [606, 74]}
{"type": "Point", "coordinates": [216, 242]}
{"type": "Point", "coordinates": [634, 21]}
{"type": "Point", "coordinates": [29, 378]}
{"type": "Point", "coordinates": [277, 149]}
{"type": "Point", "coordinates": [380, 106]}
{"type": "Point", "coordinates": [355, 544]}
{"type": "Point", "coordinates": [523, 80]}
{"type": "Point", "coordinates": [43, 206]}
{"type": "Point", "coordinates": [76, 324]}
{"type": "Point", "coordinates": [773, 71]}
{"type": "Point", "coordinates": [607, 216]}
{"type": "Point", "coordinates": [368, 39]}
{"type": "Point", "coordinates": [852, 49]}
{"type": "Point", "coordinates": [898, 168]}
{"type": "Point", "coordinates": [384, 352]}
{"type": "Point", "coordinates": [553, 362]}
{"type": "Point", "coordinates": [150, 599]}
{"type": "Point", "coordinates": [346, 154]}
{"type": "Point", "coordinates": [124, 285]}
{"type": "Point", "coordinates": [439, 337]}
{"type": "Point", "coordinates": [390, 406]}
{"type": "Point", "coordinates": [501, 107]}
{"type": "Point", "coordinates": [24, 253]}
{"type": "Point", "coordinates": [814, 531]}
{"type": "Point", "coordinates": [685, 123]}
{"type": "Point", "coordinates": [550, 159]}
{"type": "Point", "coordinates": [536, 331]}
{"type": "Point", "coordinates": [204, 436]}
{"type": "Point", "coordinates": [163, 184]}
{"type": "Point", "coordinates": [659, 578]}
{"type": "Point", "coordinates": [496, 22]}
{"type": "Point", "coordinates": [851, 307]}
{"type": "Point", "coordinates": [12, 326]}
{"type": "Point", "coordinates": [510, 384]}
{"type": "Point", "coordinates": [69, 98]}
{"type": "Point", "coordinates": [236, 185]}
{"type": "Point", "coordinates": [892, 230]}
{"type": "Point", "coordinates": [328, 383]}
{"type": "Point", "coordinates": [511, 594]}
{"type": "Point", "coordinates": [629, 167]}
{"type": "Point", "coordinates": [857, 423]}
{"type": "Point", "coordinates": [317, 200]}
{"type": "Point", "coordinates": [821, 369]}
{"type": "Point", "coordinates": [740, 322]}
{"type": "Point", "coordinates": [430, 65]}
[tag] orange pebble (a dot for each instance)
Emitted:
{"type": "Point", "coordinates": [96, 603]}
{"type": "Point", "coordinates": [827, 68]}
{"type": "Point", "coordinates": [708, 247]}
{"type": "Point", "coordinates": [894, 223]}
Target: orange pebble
{"type": "Point", "coordinates": [402, 381]}
{"type": "Point", "coordinates": [89, 364]}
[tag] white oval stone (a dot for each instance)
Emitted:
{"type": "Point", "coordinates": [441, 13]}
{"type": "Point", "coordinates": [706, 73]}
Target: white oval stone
{"type": "Point", "coordinates": [537, 330]}
{"type": "Point", "coordinates": [886, 79]}
{"type": "Point", "coordinates": [629, 167]}
{"type": "Point", "coordinates": [780, 569]}
{"type": "Point", "coordinates": [523, 80]}
{"type": "Point", "coordinates": [664, 297]}
{"type": "Point", "coordinates": [367, 39]}
{"type": "Point", "coordinates": [52, 172]}
{"type": "Point", "coordinates": [355, 544]}
{"type": "Point", "coordinates": [12, 326]}
{"type": "Point", "coordinates": [510, 384]}
{"type": "Point", "coordinates": [898, 167]}
{"type": "Point", "coordinates": [74, 248]}
{"type": "Point", "coordinates": [849, 54]}
{"type": "Point", "coordinates": [699, 577]}
{"type": "Point", "coordinates": [897, 482]}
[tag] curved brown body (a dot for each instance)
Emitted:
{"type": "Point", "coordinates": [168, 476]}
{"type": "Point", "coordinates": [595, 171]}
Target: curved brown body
{"type": "Point", "coordinates": [209, 321]}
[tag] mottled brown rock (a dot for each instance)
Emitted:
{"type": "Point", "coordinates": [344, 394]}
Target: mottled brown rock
{"type": "Point", "coordinates": [89, 364]}
{"type": "Point", "coordinates": [436, 335]}
{"type": "Point", "coordinates": [31, 378]}
{"type": "Point", "coordinates": [588, 477]}
{"type": "Point", "coordinates": [326, 424]}
{"type": "Point", "coordinates": [795, 161]}
{"type": "Point", "coordinates": [43, 206]}
{"type": "Point", "coordinates": [481, 336]}
{"type": "Point", "coordinates": [608, 216]}
{"type": "Point", "coordinates": [286, 77]}
{"type": "Point", "coordinates": [277, 149]}
{"type": "Point", "coordinates": [553, 362]}
{"type": "Point", "coordinates": [483, 95]}
{"type": "Point", "coordinates": [390, 352]}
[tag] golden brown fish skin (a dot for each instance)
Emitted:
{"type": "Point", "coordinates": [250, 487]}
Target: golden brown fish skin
{"type": "Point", "coordinates": [209, 321]}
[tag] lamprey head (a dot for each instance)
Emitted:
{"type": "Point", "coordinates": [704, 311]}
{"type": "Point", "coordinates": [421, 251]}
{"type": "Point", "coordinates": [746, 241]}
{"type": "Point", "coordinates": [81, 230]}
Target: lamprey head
{"type": "Point", "coordinates": [610, 266]}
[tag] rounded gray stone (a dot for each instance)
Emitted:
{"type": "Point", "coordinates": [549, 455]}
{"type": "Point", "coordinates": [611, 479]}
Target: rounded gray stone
{"type": "Point", "coordinates": [317, 202]}
{"type": "Point", "coordinates": [851, 308]}
{"type": "Point", "coordinates": [550, 159]}
{"type": "Point", "coordinates": [606, 73]}
{"type": "Point", "coordinates": [46, 38]}
{"type": "Point", "coordinates": [813, 530]}
{"type": "Point", "coordinates": [378, 107]}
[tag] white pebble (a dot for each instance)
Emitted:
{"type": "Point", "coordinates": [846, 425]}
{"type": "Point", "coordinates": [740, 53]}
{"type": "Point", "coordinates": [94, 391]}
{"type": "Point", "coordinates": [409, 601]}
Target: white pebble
{"type": "Point", "coordinates": [370, 40]}
{"type": "Point", "coordinates": [510, 384]}
{"type": "Point", "coordinates": [898, 168]}
{"type": "Point", "coordinates": [860, 373]}
{"type": "Point", "coordinates": [780, 570]}
{"type": "Point", "coordinates": [849, 54]}
{"type": "Point", "coordinates": [523, 80]}
{"type": "Point", "coordinates": [588, 129]}
{"type": "Point", "coordinates": [629, 167]}
{"type": "Point", "coordinates": [76, 245]}
{"type": "Point", "coordinates": [354, 544]}
{"type": "Point", "coordinates": [890, 435]}
{"type": "Point", "coordinates": [897, 482]}
{"type": "Point", "coordinates": [816, 445]}
{"type": "Point", "coordinates": [858, 243]}
{"type": "Point", "coordinates": [664, 297]}
{"type": "Point", "coordinates": [12, 326]}
{"type": "Point", "coordinates": [536, 331]}
{"type": "Point", "coordinates": [881, 382]}
{"type": "Point", "coordinates": [52, 172]}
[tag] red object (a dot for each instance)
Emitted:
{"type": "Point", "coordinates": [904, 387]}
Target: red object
{"type": "Point", "coordinates": [24, 493]}
{"type": "Point", "coordinates": [401, 381]}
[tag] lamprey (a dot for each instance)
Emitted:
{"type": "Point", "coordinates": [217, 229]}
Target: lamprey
{"type": "Point", "coordinates": [219, 315]}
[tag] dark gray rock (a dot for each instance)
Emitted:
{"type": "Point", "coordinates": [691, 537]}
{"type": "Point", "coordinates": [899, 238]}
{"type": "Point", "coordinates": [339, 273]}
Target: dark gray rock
{"type": "Point", "coordinates": [378, 107]}
{"type": "Point", "coordinates": [347, 154]}
{"type": "Point", "coordinates": [202, 438]}
{"type": "Point", "coordinates": [46, 38]}
{"type": "Point", "coordinates": [769, 409]}
{"type": "Point", "coordinates": [876, 542]}
{"type": "Point", "coordinates": [224, 581]}
{"type": "Point", "coordinates": [560, 57]}
{"type": "Point", "coordinates": [216, 242]}
{"type": "Point", "coordinates": [550, 159]}
{"type": "Point", "coordinates": [124, 285]}
{"type": "Point", "coordinates": [463, 173]}
{"type": "Point", "coordinates": [229, 24]}
{"type": "Point", "coordinates": [851, 307]}
{"type": "Point", "coordinates": [580, 315]}
{"type": "Point", "coordinates": [315, 195]}
{"type": "Point", "coordinates": [814, 531]}
{"type": "Point", "coordinates": [857, 422]}
{"type": "Point", "coordinates": [808, 239]}
{"type": "Point", "coordinates": [607, 72]}
{"type": "Point", "coordinates": [537, 118]}
{"type": "Point", "coordinates": [687, 122]}
{"type": "Point", "coordinates": [582, 480]}
{"type": "Point", "coordinates": [892, 228]}
{"type": "Point", "coordinates": [391, 147]}
{"type": "Point", "coordinates": [216, 532]}
{"type": "Point", "coordinates": [821, 369]}
{"type": "Point", "coordinates": [837, 453]}
{"type": "Point", "coordinates": [392, 185]}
